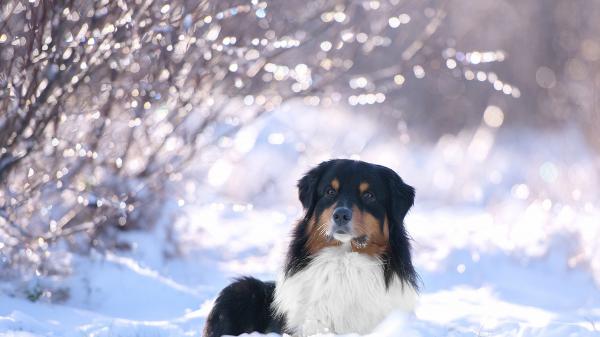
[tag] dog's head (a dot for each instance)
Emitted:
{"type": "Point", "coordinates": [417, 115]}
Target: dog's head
{"type": "Point", "coordinates": [359, 203]}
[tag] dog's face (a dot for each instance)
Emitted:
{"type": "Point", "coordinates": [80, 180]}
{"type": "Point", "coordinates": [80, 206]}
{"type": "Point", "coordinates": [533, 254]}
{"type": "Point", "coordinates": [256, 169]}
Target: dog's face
{"type": "Point", "coordinates": [355, 202]}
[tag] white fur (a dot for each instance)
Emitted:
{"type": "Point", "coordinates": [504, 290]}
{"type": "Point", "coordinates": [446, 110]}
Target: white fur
{"type": "Point", "coordinates": [340, 291]}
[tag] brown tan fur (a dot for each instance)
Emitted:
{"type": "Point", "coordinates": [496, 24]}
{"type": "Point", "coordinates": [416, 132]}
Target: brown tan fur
{"type": "Point", "coordinates": [317, 238]}
{"type": "Point", "coordinates": [367, 224]}
{"type": "Point", "coordinates": [335, 183]}
{"type": "Point", "coordinates": [364, 224]}
{"type": "Point", "coordinates": [363, 187]}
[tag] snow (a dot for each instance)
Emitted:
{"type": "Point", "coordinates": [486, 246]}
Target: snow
{"type": "Point", "coordinates": [505, 233]}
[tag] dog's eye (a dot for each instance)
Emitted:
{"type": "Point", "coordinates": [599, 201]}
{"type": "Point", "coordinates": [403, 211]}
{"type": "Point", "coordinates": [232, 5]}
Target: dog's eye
{"type": "Point", "coordinates": [330, 192]}
{"type": "Point", "coordinates": [368, 196]}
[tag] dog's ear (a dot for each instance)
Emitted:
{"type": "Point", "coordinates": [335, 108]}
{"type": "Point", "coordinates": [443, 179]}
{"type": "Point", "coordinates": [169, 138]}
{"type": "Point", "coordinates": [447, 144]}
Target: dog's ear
{"type": "Point", "coordinates": [307, 186]}
{"type": "Point", "coordinates": [402, 197]}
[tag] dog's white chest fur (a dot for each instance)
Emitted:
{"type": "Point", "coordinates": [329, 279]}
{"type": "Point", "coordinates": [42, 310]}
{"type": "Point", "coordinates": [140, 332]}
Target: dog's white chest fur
{"type": "Point", "coordinates": [340, 292]}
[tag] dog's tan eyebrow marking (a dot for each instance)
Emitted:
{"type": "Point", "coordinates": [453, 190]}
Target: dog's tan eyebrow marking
{"type": "Point", "coordinates": [335, 183]}
{"type": "Point", "coordinates": [363, 187]}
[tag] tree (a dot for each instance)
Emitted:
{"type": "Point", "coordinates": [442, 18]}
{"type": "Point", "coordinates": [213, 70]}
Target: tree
{"type": "Point", "coordinates": [104, 103]}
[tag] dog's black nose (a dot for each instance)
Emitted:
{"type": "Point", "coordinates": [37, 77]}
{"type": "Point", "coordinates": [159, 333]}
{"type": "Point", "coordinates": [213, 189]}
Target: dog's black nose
{"type": "Point", "coordinates": [342, 215]}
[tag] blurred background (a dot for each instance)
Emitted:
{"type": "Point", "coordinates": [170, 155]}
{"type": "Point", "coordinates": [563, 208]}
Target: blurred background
{"type": "Point", "coordinates": [152, 148]}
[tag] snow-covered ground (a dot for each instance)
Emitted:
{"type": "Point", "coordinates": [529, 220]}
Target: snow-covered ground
{"type": "Point", "coordinates": [505, 229]}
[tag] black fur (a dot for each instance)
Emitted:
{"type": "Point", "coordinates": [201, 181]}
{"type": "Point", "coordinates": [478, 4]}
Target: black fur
{"type": "Point", "coordinates": [399, 260]}
{"type": "Point", "coordinates": [245, 305]}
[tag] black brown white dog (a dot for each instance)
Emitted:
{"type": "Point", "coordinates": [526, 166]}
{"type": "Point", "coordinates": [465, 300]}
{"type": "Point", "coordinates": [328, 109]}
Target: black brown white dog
{"type": "Point", "coordinates": [348, 264]}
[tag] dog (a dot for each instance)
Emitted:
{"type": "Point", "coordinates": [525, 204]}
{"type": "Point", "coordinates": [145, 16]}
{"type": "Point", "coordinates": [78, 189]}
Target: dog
{"type": "Point", "coordinates": [348, 264]}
